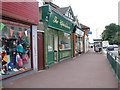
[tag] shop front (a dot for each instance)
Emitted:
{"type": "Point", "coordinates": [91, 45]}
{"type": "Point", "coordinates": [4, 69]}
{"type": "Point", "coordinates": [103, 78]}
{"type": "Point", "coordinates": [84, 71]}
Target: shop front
{"type": "Point", "coordinates": [77, 40]}
{"type": "Point", "coordinates": [58, 35]}
{"type": "Point", "coordinates": [16, 40]}
{"type": "Point", "coordinates": [85, 38]}
{"type": "Point", "coordinates": [15, 48]}
{"type": "Point", "coordinates": [78, 43]}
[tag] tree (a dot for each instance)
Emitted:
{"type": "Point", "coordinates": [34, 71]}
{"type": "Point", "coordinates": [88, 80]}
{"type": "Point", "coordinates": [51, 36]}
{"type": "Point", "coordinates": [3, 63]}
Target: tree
{"type": "Point", "coordinates": [117, 38]}
{"type": "Point", "coordinates": [112, 34]}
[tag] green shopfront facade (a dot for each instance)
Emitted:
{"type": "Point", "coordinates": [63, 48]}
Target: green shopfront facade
{"type": "Point", "coordinates": [58, 35]}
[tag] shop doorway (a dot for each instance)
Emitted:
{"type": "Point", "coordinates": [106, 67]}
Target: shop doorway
{"type": "Point", "coordinates": [55, 47]}
{"type": "Point", "coordinates": [40, 42]}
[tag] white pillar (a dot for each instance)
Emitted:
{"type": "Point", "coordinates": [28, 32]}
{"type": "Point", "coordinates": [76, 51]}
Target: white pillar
{"type": "Point", "coordinates": [34, 47]}
{"type": "Point", "coordinates": [85, 43]}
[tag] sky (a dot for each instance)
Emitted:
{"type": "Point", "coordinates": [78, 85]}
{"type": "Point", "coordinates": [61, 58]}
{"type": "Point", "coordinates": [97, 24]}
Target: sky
{"type": "Point", "coordinates": [95, 14]}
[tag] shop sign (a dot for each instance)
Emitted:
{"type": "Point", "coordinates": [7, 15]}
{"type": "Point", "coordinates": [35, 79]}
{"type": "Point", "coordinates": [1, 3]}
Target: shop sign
{"type": "Point", "coordinates": [90, 32]}
{"type": "Point", "coordinates": [59, 22]}
{"type": "Point", "coordinates": [62, 24]}
{"type": "Point", "coordinates": [79, 32]}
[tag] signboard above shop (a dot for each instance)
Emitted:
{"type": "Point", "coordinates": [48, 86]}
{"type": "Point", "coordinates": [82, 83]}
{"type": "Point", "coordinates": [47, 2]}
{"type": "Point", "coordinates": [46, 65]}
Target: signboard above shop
{"type": "Point", "coordinates": [90, 32]}
{"type": "Point", "coordinates": [79, 32]}
{"type": "Point", "coordinates": [57, 20]}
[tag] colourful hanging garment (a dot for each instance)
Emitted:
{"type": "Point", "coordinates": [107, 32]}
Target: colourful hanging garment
{"type": "Point", "coordinates": [25, 58]}
{"type": "Point", "coordinates": [11, 32]}
{"type": "Point", "coordinates": [20, 48]}
{"type": "Point", "coordinates": [20, 62]}
{"type": "Point", "coordinates": [5, 58]}
{"type": "Point", "coordinates": [1, 26]}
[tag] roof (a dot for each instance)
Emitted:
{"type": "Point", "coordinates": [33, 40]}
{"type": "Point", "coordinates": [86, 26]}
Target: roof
{"type": "Point", "coordinates": [52, 4]}
{"type": "Point", "coordinates": [84, 26]}
{"type": "Point", "coordinates": [97, 40]}
{"type": "Point", "coordinates": [63, 10]}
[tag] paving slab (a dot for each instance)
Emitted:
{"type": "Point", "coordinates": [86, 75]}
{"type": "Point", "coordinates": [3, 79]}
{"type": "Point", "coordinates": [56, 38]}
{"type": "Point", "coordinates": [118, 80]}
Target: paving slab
{"type": "Point", "coordinates": [89, 70]}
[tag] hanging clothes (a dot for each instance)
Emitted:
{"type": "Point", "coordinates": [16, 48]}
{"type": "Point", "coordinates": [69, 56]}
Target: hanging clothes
{"type": "Point", "coordinates": [5, 58]}
{"type": "Point", "coordinates": [20, 49]}
{"type": "Point", "coordinates": [19, 60]}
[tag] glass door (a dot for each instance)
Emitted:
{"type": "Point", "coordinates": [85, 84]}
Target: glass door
{"type": "Point", "coordinates": [56, 46]}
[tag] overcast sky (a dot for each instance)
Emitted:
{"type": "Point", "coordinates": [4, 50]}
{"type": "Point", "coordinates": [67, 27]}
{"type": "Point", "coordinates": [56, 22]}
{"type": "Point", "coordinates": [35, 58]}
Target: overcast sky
{"type": "Point", "coordinates": [94, 13]}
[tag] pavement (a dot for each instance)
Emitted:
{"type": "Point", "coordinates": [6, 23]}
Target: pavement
{"type": "Point", "coordinates": [89, 70]}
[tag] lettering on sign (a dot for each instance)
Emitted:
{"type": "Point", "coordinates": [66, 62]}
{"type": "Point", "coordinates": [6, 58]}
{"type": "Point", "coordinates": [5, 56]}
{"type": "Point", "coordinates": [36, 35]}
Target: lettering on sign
{"type": "Point", "coordinates": [55, 20]}
{"type": "Point", "coordinates": [62, 24]}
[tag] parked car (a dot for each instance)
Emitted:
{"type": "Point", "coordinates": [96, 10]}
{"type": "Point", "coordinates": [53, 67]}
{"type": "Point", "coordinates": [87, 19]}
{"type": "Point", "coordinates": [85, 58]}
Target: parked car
{"type": "Point", "coordinates": [110, 48]}
{"type": "Point", "coordinates": [119, 52]}
{"type": "Point", "coordinates": [115, 46]}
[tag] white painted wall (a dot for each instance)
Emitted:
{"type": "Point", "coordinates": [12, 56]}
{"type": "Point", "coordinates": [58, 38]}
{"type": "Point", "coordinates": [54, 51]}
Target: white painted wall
{"type": "Point", "coordinates": [86, 41]}
{"type": "Point", "coordinates": [34, 44]}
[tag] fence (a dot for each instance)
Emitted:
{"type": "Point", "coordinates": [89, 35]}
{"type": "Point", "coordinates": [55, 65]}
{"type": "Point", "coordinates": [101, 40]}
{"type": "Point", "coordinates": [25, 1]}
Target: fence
{"type": "Point", "coordinates": [115, 63]}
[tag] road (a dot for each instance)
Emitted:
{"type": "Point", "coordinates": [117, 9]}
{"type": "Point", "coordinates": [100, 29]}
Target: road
{"type": "Point", "coordinates": [115, 52]}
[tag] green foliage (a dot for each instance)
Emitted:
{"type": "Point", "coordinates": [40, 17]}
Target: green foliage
{"type": "Point", "coordinates": [112, 34]}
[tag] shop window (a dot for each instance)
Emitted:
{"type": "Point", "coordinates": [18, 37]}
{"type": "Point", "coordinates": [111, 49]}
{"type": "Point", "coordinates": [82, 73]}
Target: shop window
{"type": "Point", "coordinates": [50, 40]}
{"type": "Point", "coordinates": [78, 44]}
{"type": "Point", "coordinates": [64, 40]}
{"type": "Point", "coordinates": [15, 52]}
